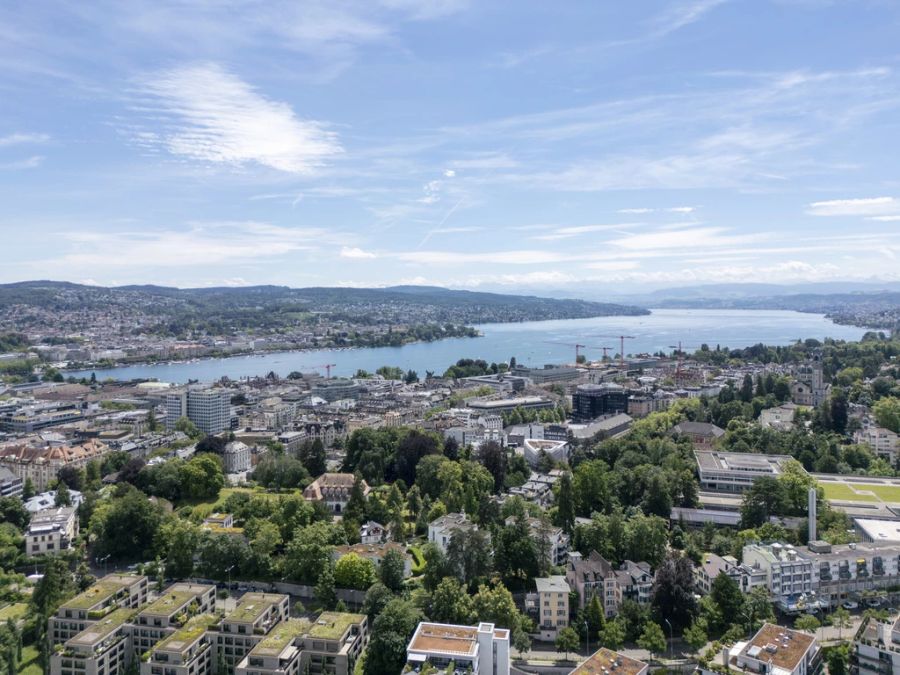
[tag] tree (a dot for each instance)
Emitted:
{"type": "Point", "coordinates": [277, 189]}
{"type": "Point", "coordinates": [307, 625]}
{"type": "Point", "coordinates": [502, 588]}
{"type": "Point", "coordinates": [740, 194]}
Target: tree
{"type": "Point", "coordinates": [71, 476]}
{"type": "Point", "coordinates": [565, 502]}
{"type": "Point", "coordinates": [377, 597]}
{"type": "Point", "coordinates": [176, 541]}
{"type": "Point", "coordinates": [652, 639]}
{"type": "Point", "coordinates": [450, 603]}
{"type": "Point", "coordinates": [469, 554]}
{"type": "Point", "coordinates": [152, 424]}
{"type": "Point", "coordinates": [185, 426]}
{"type": "Point", "coordinates": [887, 413]}
{"type": "Point", "coordinates": [356, 504]}
{"type": "Point", "coordinates": [657, 496]}
{"type": "Point", "coordinates": [612, 635]}
{"type": "Point", "coordinates": [325, 593]}
{"type": "Point", "coordinates": [354, 571]}
{"type": "Point", "coordinates": [63, 497]}
{"type": "Point", "coordinates": [841, 619]}
{"type": "Point", "coordinates": [494, 458]}
{"type": "Point", "coordinates": [695, 635]}
{"type": "Point", "coordinates": [726, 596]}
{"type": "Point", "coordinates": [764, 499]}
{"type": "Point", "coordinates": [391, 632]}
{"type": "Point", "coordinates": [838, 659]}
{"type": "Point", "coordinates": [280, 472]}
{"type": "Point", "coordinates": [125, 527]}
{"type": "Point", "coordinates": [309, 552]}
{"type": "Point", "coordinates": [313, 457]}
{"type": "Point", "coordinates": [201, 477]}
{"type": "Point", "coordinates": [12, 510]}
{"type": "Point", "coordinates": [746, 392]}
{"type": "Point", "coordinates": [594, 614]}
{"type": "Point", "coordinates": [808, 623]}
{"type": "Point", "coordinates": [392, 570]}
{"type": "Point", "coordinates": [567, 641]}
{"type": "Point", "coordinates": [28, 490]}
{"type": "Point", "coordinates": [672, 597]}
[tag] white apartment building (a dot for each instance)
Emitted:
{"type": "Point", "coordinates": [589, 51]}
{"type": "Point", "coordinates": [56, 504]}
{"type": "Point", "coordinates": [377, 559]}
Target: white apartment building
{"type": "Point", "coordinates": [884, 442]}
{"type": "Point", "coordinates": [776, 650]}
{"type": "Point", "coordinates": [483, 649]}
{"type": "Point", "coordinates": [171, 610]}
{"type": "Point", "coordinates": [441, 529]}
{"type": "Point", "coordinates": [876, 647]}
{"type": "Point", "coordinates": [51, 531]}
{"type": "Point", "coordinates": [255, 615]}
{"type": "Point", "coordinates": [112, 592]}
{"type": "Point", "coordinates": [103, 648]}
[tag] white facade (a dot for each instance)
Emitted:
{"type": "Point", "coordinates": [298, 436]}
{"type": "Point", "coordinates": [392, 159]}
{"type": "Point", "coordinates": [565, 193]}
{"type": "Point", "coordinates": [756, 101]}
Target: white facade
{"type": "Point", "coordinates": [208, 409]}
{"type": "Point", "coordinates": [484, 649]}
{"type": "Point", "coordinates": [51, 531]}
{"type": "Point", "coordinates": [441, 529]}
{"type": "Point", "coordinates": [236, 457]}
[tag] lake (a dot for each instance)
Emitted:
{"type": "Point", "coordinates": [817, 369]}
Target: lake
{"type": "Point", "coordinates": [533, 343]}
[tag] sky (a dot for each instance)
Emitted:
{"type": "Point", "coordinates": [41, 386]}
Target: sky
{"type": "Point", "coordinates": [493, 145]}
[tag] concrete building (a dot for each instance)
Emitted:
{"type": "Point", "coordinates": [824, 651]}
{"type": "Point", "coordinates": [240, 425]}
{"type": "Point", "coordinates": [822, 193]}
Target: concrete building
{"type": "Point", "coordinates": [441, 530]}
{"type": "Point", "coordinates": [547, 375]}
{"type": "Point", "coordinates": [41, 463]}
{"type": "Point", "coordinates": [734, 472]}
{"type": "Point", "coordinates": [538, 488]}
{"type": "Point", "coordinates": [333, 489]}
{"type": "Point", "coordinates": [876, 647]}
{"type": "Point", "coordinates": [534, 450]}
{"type": "Point", "coordinates": [103, 648]}
{"type": "Point", "coordinates": [551, 605]}
{"type": "Point", "coordinates": [776, 650]}
{"type": "Point", "coordinates": [703, 435]}
{"type": "Point", "coordinates": [10, 484]}
{"type": "Point", "coordinates": [51, 531]}
{"type": "Point", "coordinates": [246, 626]}
{"type": "Point", "coordinates": [607, 662]}
{"type": "Point", "coordinates": [208, 408]}
{"type": "Point", "coordinates": [336, 389]}
{"type": "Point", "coordinates": [188, 650]}
{"type": "Point", "coordinates": [482, 649]}
{"type": "Point", "coordinates": [170, 611]}
{"type": "Point", "coordinates": [607, 427]}
{"type": "Point", "coordinates": [884, 442]}
{"type": "Point", "coordinates": [277, 653]}
{"type": "Point", "coordinates": [112, 592]}
{"type": "Point", "coordinates": [333, 643]}
{"type": "Point", "coordinates": [236, 457]}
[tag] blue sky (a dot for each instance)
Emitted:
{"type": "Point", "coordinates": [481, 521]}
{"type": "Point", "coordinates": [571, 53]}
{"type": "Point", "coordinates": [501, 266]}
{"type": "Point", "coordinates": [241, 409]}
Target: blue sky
{"type": "Point", "coordinates": [493, 145]}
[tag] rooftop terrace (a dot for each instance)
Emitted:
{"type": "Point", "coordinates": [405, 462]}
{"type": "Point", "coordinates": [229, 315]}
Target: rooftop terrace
{"type": "Point", "coordinates": [101, 591]}
{"type": "Point", "coordinates": [280, 637]}
{"type": "Point", "coordinates": [252, 606]}
{"type": "Point", "coordinates": [99, 630]}
{"type": "Point", "coordinates": [333, 625]}
{"type": "Point", "coordinates": [173, 598]}
{"type": "Point", "coordinates": [185, 636]}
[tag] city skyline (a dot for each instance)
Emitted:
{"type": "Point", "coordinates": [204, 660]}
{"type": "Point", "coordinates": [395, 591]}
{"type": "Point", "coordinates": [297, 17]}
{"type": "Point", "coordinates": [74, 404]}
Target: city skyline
{"type": "Point", "coordinates": [449, 142]}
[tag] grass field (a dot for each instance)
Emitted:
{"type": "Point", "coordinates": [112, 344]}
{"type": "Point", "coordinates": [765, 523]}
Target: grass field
{"type": "Point", "coordinates": [844, 492]}
{"type": "Point", "coordinates": [14, 611]}
{"type": "Point", "coordinates": [29, 664]}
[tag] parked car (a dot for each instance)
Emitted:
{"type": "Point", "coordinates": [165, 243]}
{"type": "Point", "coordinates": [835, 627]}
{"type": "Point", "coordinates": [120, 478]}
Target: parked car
{"type": "Point", "coordinates": [873, 602]}
{"type": "Point", "coordinates": [850, 605]}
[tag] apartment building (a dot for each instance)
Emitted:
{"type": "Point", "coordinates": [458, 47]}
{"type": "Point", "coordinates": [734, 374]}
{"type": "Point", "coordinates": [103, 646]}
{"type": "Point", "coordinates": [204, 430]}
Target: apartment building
{"type": "Point", "coordinates": [112, 592]}
{"type": "Point", "coordinates": [189, 650]}
{"type": "Point", "coordinates": [103, 648]}
{"type": "Point", "coordinates": [255, 615]}
{"type": "Point", "coordinates": [170, 611]}
{"type": "Point", "coordinates": [551, 605]}
{"type": "Point", "coordinates": [10, 484]}
{"type": "Point", "coordinates": [277, 653]}
{"type": "Point", "coordinates": [552, 541]}
{"type": "Point", "coordinates": [482, 649]}
{"type": "Point", "coordinates": [778, 650]}
{"type": "Point", "coordinates": [595, 576]}
{"type": "Point", "coordinates": [41, 463]}
{"type": "Point", "coordinates": [876, 647]}
{"type": "Point", "coordinates": [333, 489]}
{"type": "Point", "coordinates": [884, 442]}
{"type": "Point", "coordinates": [51, 531]}
{"type": "Point", "coordinates": [607, 662]}
{"type": "Point", "coordinates": [441, 529]}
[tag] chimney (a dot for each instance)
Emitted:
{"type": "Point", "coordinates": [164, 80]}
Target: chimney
{"type": "Point", "coordinates": [811, 513]}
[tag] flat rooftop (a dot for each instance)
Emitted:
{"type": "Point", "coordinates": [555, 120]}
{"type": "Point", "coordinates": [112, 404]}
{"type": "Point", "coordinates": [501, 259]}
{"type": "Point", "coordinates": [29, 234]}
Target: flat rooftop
{"type": "Point", "coordinates": [333, 625]}
{"type": "Point", "coordinates": [101, 591]}
{"type": "Point", "coordinates": [438, 638]}
{"type": "Point", "coordinates": [99, 630]}
{"type": "Point", "coordinates": [280, 637]}
{"type": "Point", "coordinates": [780, 646]}
{"type": "Point", "coordinates": [173, 598]}
{"type": "Point", "coordinates": [555, 584]}
{"type": "Point", "coordinates": [252, 606]}
{"type": "Point", "coordinates": [748, 462]}
{"type": "Point", "coordinates": [187, 635]}
{"type": "Point", "coordinates": [879, 530]}
{"type": "Point", "coordinates": [605, 661]}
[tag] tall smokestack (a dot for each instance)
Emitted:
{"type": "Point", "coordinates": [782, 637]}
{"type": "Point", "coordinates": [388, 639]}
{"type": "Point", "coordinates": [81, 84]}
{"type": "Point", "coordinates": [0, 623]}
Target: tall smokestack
{"type": "Point", "coordinates": [811, 511]}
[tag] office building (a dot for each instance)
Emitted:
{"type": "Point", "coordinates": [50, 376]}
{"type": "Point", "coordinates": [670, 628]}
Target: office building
{"type": "Point", "coordinates": [10, 484]}
{"type": "Point", "coordinates": [591, 401]}
{"type": "Point", "coordinates": [481, 650]}
{"type": "Point", "coordinates": [209, 409]}
{"type": "Point", "coordinates": [735, 472]}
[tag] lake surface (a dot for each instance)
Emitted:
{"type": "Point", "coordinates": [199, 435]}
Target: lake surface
{"type": "Point", "coordinates": [533, 343]}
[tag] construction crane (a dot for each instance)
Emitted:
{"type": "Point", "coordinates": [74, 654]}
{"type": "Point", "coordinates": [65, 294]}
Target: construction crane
{"type": "Point", "coordinates": [621, 339]}
{"type": "Point", "coordinates": [605, 352]}
{"type": "Point", "coordinates": [680, 360]}
{"type": "Point", "coordinates": [327, 367]}
{"type": "Point", "coordinates": [577, 346]}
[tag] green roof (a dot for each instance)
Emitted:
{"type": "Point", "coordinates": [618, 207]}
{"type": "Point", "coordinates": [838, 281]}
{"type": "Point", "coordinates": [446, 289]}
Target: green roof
{"type": "Point", "coordinates": [281, 636]}
{"type": "Point", "coordinates": [251, 606]}
{"type": "Point", "coordinates": [332, 625]}
{"type": "Point", "coordinates": [99, 630]}
{"type": "Point", "coordinates": [171, 600]}
{"type": "Point", "coordinates": [185, 636]}
{"type": "Point", "coordinates": [99, 592]}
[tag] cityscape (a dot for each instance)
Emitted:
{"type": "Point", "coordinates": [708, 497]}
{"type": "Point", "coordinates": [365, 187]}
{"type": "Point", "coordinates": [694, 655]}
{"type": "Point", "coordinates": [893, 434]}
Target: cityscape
{"type": "Point", "coordinates": [442, 337]}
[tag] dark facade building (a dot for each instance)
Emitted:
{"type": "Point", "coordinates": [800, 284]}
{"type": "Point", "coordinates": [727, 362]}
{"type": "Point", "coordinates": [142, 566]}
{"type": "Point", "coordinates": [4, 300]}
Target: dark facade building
{"type": "Point", "coordinates": [591, 401]}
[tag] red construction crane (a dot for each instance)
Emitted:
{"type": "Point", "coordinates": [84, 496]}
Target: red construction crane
{"type": "Point", "coordinates": [327, 367]}
{"type": "Point", "coordinates": [622, 339]}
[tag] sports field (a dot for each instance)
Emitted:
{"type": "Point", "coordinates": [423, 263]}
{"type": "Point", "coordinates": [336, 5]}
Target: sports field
{"type": "Point", "coordinates": [861, 492]}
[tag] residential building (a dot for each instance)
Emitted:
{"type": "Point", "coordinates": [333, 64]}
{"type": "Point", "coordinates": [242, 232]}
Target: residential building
{"type": "Point", "coordinates": [884, 442]}
{"type": "Point", "coordinates": [607, 662]}
{"type": "Point", "coordinates": [538, 488]}
{"type": "Point", "coordinates": [333, 489]}
{"type": "Point", "coordinates": [735, 472]}
{"type": "Point", "coordinates": [236, 457]}
{"type": "Point", "coordinates": [255, 615]}
{"type": "Point", "coordinates": [171, 610]}
{"type": "Point", "coordinates": [47, 500]}
{"type": "Point", "coordinates": [333, 643]}
{"type": "Point", "coordinates": [552, 542]}
{"type": "Point", "coordinates": [595, 576]}
{"type": "Point", "coordinates": [277, 653]}
{"type": "Point", "coordinates": [441, 529]}
{"type": "Point", "coordinates": [534, 449]}
{"type": "Point", "coordinates": [208, 408]}
{"type": "Point", "coordinates": [777, 650]}
{"type": "Point", "coordinates": [112, 592]}
{"type": "Point", "coordinates": [372, 533]}
{"type": "Point", "coordinates": [780, 418]}
{"type": "Point", "coordinates": [876, 647]}
{"type": "Point", "coordinates": [591, 401]}
{"type": "Point", "coordinates": [482, 649]}
{"type": "Point", "coordinates": [703, 435]}
{"type": "Point", "coordinates": [189, 650]}
{"type": "Point", "coordinates": [789, 575]}
{"type": "Point", "coordinates": [51, 531]}
{"type": "Point", "coordinates": [41, 463]}
{"type": "Point", "coordinates": [634, 581]}
{"type": "Point", "coordinates": [103, 648]}
{"type": "Point", "coordinates": [710, 567]}
{"type": "Point", "coordinates": [551, 605]}
{"type": "Point", "coordinates": [10, 484]}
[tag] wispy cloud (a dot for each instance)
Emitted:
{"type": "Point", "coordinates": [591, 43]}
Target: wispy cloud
{"type": "Point", "coordinates": [574, 231]}
{"type": "Point", "coordinates": [682, 14]}
{"type": "Point", "coordinates": [28, 163]}
{"type": "Point", "coordinates": [355, 253]}
{"type": "Point", "coordinates": [875, 207]}
{"type": "Point", "coordinates": [211, 115]}
{"type": "Point", "coordinates": [21, 138]}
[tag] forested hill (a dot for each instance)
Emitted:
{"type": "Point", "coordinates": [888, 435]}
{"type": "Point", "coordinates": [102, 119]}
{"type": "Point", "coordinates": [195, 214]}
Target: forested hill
{"type": "Point", "coordinates": [401, 304]}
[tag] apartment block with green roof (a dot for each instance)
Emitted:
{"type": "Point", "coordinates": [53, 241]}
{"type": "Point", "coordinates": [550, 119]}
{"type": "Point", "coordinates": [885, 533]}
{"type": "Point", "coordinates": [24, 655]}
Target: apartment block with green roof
{"type": "Point", "coordinates": [109, 593]}
{"type": "Point", "coordinates": [189, 650]}
{"type": "Point", "coordinates": [277, 653]}
{"type": "Point", "coordinates": [103, 648]}
{"type": "Point", "coordinates": [253, 618]}
{"type": "Point", "coordinates": [170, 611]}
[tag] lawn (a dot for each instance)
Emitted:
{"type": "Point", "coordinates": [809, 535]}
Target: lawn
{"type": "Point", "coordinates": [29, 664]}
{"type": "Point", "coordinates": [844, 492]}
{"type": "Point", "coordinates": [14, 611]}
